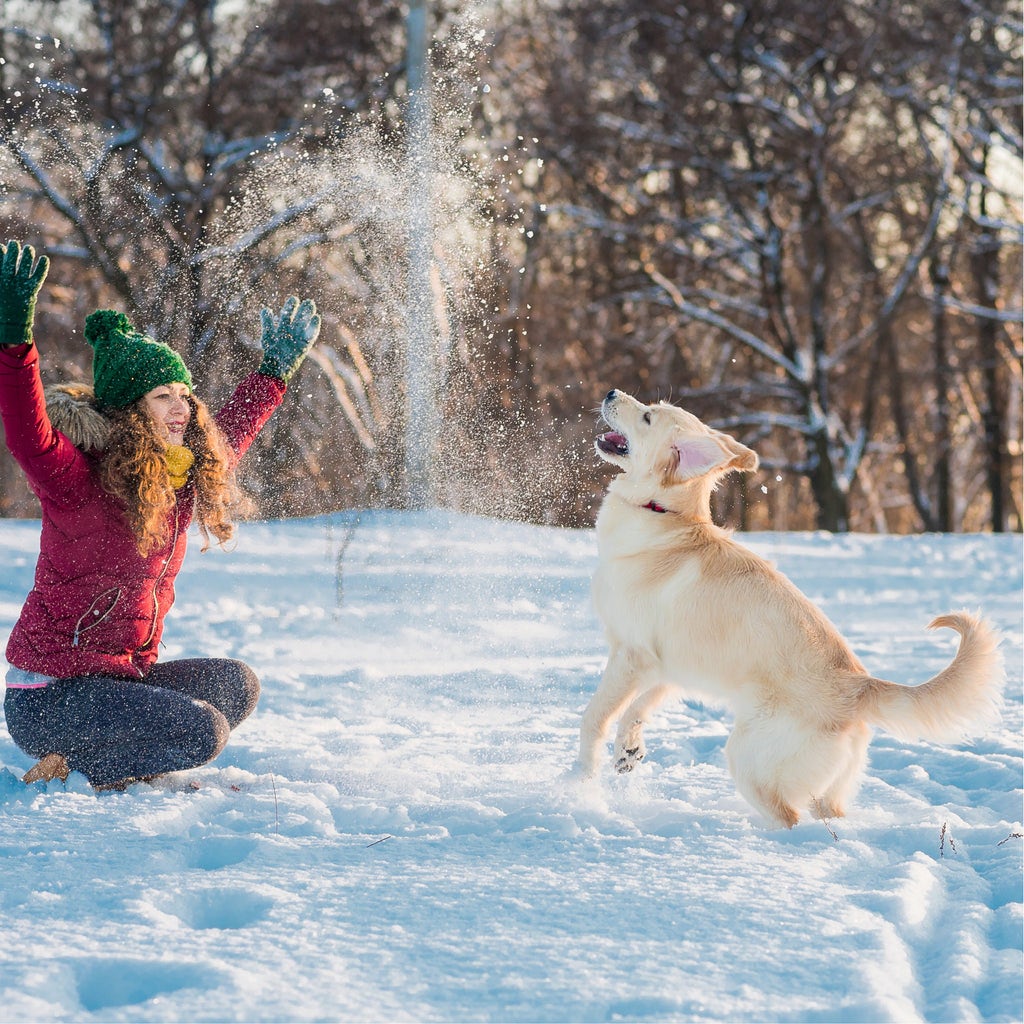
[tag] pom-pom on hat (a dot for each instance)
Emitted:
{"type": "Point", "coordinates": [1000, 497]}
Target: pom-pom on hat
{"type": "Point", "coordinates": [126, 363]}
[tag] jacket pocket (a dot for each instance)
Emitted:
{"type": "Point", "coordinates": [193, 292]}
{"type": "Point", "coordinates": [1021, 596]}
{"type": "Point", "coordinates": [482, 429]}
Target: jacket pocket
{"type": "Point", "coordinates": [102, 605]}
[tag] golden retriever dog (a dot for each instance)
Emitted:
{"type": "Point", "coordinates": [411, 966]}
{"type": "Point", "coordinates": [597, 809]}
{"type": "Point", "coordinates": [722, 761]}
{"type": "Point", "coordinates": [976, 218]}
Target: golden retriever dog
{"type": "Point", "coordinates": [687, 610]}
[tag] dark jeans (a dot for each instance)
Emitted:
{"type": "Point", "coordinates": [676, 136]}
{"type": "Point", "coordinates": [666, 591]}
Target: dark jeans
{"type": "Point", "coordinates": [110, 730]}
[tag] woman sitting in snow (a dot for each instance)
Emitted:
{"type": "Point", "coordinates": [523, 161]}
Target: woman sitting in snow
{"type": "Point", "coordinates": [122, 469]}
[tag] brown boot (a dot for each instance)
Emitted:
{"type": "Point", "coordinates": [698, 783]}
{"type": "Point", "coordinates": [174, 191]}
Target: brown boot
{"type": "Point", "coordinates": [52, 766]}
{"type": "Point", "coordinates": [115, 787]}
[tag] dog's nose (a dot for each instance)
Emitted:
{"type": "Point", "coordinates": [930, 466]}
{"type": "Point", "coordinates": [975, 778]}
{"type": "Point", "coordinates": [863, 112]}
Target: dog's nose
{"type": "Point", "coordinates": [611, 395]}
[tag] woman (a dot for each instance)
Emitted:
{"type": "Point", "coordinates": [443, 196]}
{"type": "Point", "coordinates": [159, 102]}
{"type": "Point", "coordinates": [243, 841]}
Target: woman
{"type": "Point", "coordinates": [121, 470]}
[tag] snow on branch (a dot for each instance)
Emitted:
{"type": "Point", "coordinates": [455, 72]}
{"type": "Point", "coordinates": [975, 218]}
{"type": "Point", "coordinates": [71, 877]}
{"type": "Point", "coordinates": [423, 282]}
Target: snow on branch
{"type": "Point", "coordinates": [707, 316]}
{"type": "Point", "coordinates": [123, 139]}
{"type": "Point", "coordinates": [252, 238]}
{"type": "Point", "coordinates": [58, 200]}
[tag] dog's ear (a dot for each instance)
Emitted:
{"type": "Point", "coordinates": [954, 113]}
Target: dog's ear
{"type": "Point", "coordinates": [742, 458]}
{"type": "Point", "coordinates": [695, 456]}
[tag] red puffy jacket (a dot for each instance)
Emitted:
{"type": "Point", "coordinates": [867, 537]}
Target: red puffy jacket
{"type": "Point", "coordinates": [97, 606]}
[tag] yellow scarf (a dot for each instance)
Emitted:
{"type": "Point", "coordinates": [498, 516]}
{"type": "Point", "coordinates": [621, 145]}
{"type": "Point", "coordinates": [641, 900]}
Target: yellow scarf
{"type": "Point", "coordinates": [179, 462]}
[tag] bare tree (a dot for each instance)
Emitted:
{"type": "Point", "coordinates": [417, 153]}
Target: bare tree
{"type": "Point", "coordinates": [760, 216]}
{"type": "Point", "coordinates": [803, 222]}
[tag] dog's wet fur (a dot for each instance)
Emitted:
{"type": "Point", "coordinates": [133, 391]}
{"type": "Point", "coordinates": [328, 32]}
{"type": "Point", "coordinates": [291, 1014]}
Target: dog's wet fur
{"type": "Point", "coordinates": [689, 611]}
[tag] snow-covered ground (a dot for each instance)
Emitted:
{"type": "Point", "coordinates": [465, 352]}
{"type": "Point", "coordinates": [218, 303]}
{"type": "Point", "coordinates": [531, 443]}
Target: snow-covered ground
{"type": "Point", "coordinates": [396, 833]}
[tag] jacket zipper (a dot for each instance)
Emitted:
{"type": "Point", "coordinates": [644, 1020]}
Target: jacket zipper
{"type": "Point", "coordinates": [158, 580]}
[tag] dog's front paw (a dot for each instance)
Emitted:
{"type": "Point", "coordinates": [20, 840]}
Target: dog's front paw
{"type": "Point", "coordinates": [629, 759]}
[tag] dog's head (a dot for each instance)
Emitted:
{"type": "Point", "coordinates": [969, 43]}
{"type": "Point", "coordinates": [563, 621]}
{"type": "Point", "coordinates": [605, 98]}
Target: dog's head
{"type": "Point", "coordinates": [662, 448]}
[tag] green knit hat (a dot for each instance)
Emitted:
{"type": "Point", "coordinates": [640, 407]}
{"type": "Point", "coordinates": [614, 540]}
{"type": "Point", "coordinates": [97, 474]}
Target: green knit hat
{"type": "Point", "coordinates": [126, 363]}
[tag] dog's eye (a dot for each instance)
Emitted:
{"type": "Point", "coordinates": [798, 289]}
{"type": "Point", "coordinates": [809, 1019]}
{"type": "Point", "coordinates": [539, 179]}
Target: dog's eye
{"type": "Point", "coordinates": [647, 417]}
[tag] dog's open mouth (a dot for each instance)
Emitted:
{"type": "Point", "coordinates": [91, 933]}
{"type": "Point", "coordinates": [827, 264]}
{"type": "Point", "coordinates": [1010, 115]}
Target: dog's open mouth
{"type": "Point", "coordinates": [613, 443]}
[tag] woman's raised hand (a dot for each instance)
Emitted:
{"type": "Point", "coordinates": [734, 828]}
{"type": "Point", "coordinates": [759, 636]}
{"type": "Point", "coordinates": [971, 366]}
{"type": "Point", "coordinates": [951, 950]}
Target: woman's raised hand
{"type": "Point", "coordinates": [21, 277]}
{"type": "Point", "coordinates": [287, 338]}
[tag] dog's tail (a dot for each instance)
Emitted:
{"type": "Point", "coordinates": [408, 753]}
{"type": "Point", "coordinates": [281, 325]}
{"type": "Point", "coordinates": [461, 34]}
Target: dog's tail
{"type": "Point", "coordinates": [963, 698]}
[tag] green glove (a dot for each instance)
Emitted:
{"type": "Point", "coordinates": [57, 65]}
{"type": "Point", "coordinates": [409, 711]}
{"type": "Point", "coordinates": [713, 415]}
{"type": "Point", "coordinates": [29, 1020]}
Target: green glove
{"type": "Point", "coordinates": [287, 339]}
{"type": "Point", "coordinates": [20, 282]}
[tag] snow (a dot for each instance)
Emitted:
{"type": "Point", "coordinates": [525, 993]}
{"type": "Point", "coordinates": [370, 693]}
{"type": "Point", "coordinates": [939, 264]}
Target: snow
{"type": "Point", "coordinates": [397, 833]}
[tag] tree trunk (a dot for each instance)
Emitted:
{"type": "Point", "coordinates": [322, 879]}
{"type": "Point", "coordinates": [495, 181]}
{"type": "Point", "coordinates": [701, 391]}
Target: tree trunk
{"type": "Point", "coordinates": [985, 264]}
{"type": "Point", "coordinates": [943, 514]}
{"type": "Point", "coordinates": [833, 504]}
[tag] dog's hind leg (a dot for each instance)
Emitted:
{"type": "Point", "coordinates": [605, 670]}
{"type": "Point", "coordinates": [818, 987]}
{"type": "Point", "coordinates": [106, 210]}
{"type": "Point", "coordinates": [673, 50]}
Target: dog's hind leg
{"type": "Point", "coordinates": [629, 743]}
{"type": "Point", "coordinates": [759, 760]}
{"type": "Point", "coordinates": [621, 679]}
{"type": "Point", "coordinates": [851, 752]}
{"type": "Point", "coordinates": [781, 762]}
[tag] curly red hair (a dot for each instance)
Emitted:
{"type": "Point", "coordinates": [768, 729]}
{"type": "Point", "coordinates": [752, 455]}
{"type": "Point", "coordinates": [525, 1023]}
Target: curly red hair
{"type": "Point", "coordinates": [134, 469]}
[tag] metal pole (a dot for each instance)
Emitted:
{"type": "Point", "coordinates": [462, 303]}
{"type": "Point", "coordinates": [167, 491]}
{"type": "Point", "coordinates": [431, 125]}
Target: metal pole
{"type": "Point", "coordinates": [422, 419]}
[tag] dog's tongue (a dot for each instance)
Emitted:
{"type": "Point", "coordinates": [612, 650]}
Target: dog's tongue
{"type": "Point", "coordinates": [613, 443]}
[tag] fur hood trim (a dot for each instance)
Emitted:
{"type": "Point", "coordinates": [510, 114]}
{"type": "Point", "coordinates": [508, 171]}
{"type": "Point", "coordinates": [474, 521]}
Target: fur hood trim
{"type": "Point", "coordinates": [72, 411]}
